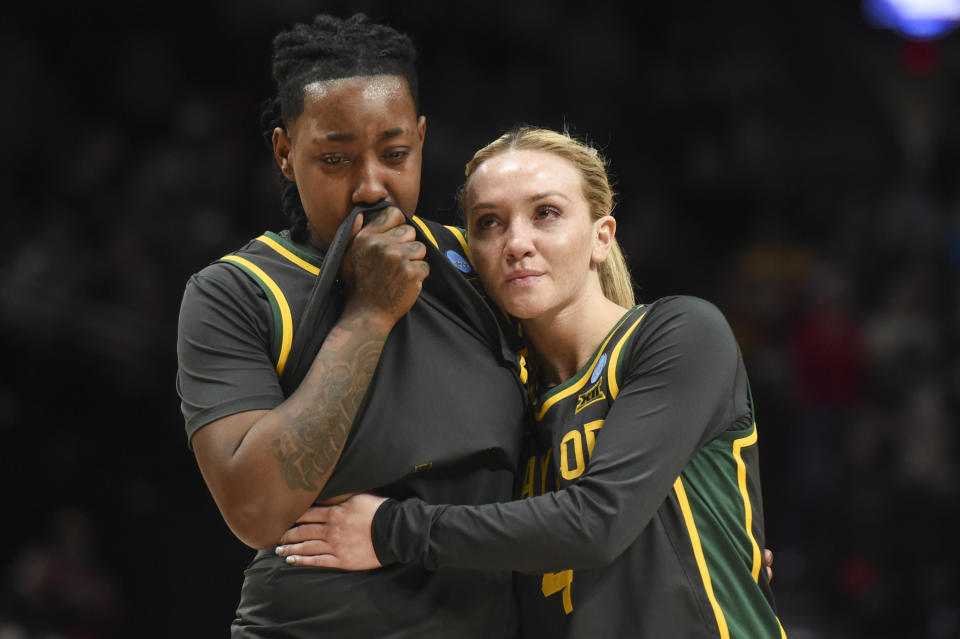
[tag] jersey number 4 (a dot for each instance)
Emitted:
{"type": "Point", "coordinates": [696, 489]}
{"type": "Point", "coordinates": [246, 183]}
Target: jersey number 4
{"type": "Point", "coordinates": [554, 582]}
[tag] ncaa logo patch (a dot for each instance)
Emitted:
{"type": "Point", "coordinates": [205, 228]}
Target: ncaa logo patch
{"type": "Point", "coordinates": [598, 369]}
{"type": "Point", "coordinates": [459, 261]}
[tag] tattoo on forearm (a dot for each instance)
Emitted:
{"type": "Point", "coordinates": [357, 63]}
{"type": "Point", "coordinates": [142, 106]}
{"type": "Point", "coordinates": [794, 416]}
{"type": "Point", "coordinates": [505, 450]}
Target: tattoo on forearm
{"type": "Point", "coordinates": [336, 385]}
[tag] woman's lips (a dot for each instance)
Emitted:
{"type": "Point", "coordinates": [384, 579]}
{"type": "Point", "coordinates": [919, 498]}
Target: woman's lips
{"type": "Point", "coordinates": [523, 278]}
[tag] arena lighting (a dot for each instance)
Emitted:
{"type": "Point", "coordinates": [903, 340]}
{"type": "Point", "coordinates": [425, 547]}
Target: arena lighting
{"type": "Point", "coordinates": [914, 19]}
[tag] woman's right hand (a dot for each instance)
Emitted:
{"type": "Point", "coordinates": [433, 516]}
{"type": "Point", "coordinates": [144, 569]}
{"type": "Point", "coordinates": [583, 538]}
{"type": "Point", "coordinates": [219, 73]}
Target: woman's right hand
{"type": "Point", "coordinates": [384, 266]}
{"type": "Point", "coordinates": [335, 536]}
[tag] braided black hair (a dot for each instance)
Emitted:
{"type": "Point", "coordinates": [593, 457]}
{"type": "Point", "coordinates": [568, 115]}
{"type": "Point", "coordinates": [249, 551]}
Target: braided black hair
{"type": "Point", "coordinates": [329, 49]}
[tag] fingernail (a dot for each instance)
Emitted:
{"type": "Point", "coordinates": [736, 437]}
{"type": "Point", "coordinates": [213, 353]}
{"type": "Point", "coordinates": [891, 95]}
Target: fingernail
{"type": "Point", "coordinates": [291, 560]}
{"type": "Point", "coordinates": [279, 550]}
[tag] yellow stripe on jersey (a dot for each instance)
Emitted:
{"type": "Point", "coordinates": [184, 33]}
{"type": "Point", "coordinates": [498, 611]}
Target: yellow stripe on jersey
{"type": "Point", "coordinates": [286, 320]}
{"type": "Point", "coordinates": [580, 383]}
{"type": "Point", "coordinates": [460, 238]}
{"type": "Point", "coordinates": [575, 386]}
{"type": "Point", "coordinates": [426, 231]}
{"type": "Point", "coordinates": [284, 251]}
{"type": "Point", "coordinates": [615, 357]}
{"type": "Point", "coordinates": [738, 446]}
{"type": "Point", "coordinates": [701, 560]}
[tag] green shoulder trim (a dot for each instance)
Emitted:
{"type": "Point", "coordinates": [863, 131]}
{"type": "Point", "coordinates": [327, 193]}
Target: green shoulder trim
{"type": "Point", "coordinates": [455, 232]}
{"type": "Point", "coordinates": [291, 252]}
{"type": "Point", "coordinates": [282, 338]}
{"type": "Point", "coordinates": [426, 230]}
{"type": "Point", "coordinates": [614, 367]}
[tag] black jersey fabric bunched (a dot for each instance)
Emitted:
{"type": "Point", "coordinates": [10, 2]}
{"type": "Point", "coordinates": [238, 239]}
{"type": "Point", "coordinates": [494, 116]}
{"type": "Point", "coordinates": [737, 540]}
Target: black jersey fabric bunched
{"type": "Point", "coordinates": [441, 421]}
{"type": "Point", "coordinates": [442, 339]}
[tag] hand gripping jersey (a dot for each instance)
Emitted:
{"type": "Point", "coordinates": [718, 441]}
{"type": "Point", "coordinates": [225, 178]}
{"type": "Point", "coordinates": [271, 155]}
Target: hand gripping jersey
{"type": "Point", "coordinates": [640, 513]}
{"type": "Point", "coordinates": [441, 421]}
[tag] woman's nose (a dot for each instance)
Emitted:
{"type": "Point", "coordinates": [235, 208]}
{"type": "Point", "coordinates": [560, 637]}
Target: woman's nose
{"type": "Point", "coordinates": [519, 240]}
{"type": "Point", "coordinates": [371, 184]}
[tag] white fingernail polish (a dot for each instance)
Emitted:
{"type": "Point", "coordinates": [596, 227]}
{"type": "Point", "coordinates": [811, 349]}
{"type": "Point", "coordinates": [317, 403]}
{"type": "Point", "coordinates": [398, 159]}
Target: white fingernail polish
{"type": "Point", "coordinates": [278, 550]}
{"type": "Point", "coordinates": [290, 560]}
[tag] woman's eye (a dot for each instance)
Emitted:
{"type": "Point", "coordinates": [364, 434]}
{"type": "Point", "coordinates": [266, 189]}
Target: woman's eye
{"type": "Point", "coordinates": [332, 160]}
{"type": "Point", "coordinates": [485, 222]}
{"type": "Point", "coordinates": [396, 156]}
{"type": "Point", "coordinates": [547, 212]}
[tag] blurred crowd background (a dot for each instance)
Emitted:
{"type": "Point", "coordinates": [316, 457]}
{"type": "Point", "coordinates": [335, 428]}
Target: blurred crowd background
{"type": "Point", "coordinates": [793, 162]}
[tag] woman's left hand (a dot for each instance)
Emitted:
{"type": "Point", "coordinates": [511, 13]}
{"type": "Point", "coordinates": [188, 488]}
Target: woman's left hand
{"type": "Point", "coordinates": [335, 536]}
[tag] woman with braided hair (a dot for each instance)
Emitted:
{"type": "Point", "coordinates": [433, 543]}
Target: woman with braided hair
{"type": "Point", "coordinates": [322, 360]}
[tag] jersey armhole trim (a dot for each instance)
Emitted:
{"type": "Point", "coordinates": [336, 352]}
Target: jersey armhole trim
{"type": "Point", "coordinates": [738, 446]}
{"type": "Point", "coordinates": [426, 231]}
{"type": "Point", "coordinates": [282, 318]}
{"type": "Point", "coordinates": [274, 242]}
{"type": "Point", "coordinates": [613, 372]}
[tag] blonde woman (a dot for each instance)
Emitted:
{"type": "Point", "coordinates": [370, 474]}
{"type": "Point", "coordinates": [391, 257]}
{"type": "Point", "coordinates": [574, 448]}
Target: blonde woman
{"type": "Point", "coordinates": [640, 511]}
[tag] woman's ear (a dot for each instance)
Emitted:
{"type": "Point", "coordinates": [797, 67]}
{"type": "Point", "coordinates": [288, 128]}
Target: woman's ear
{"type": "Point", "coordinates": [422, 128]}
{"type": "Point", "coordinates": [281, 153]}
{"type": "Point", "coordinates": [604, 231]}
